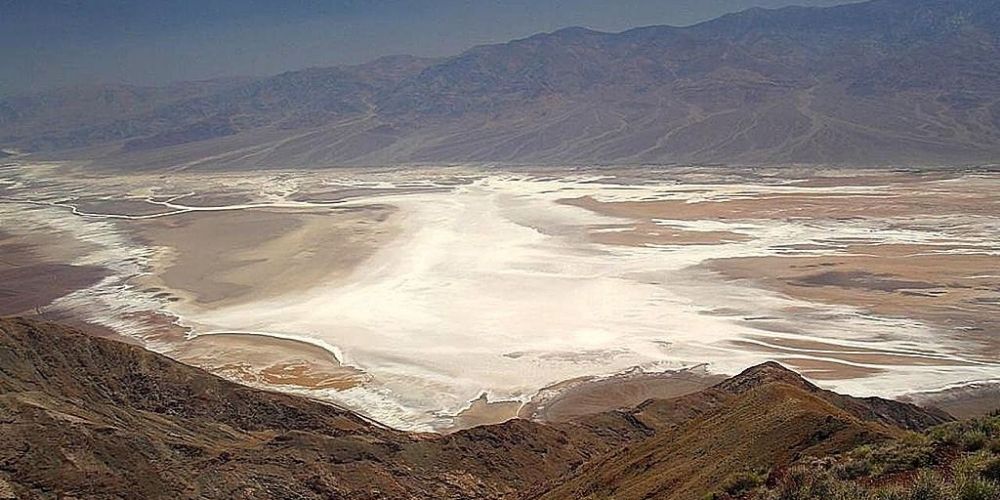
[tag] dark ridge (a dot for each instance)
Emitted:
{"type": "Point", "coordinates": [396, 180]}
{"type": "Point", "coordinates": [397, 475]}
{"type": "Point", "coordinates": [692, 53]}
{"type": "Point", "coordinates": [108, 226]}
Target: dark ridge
{"type": "Point", "coordinates": [88, 417]}
{"type": "Point", "coordinates": [885, 411]}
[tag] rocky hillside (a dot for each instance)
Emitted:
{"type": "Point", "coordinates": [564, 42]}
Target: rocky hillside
{"type": "Point", "coordinates": [878, 82]}
{"type": "Point", "coordinates": [771, 415]}
{"type": "Point", "coordinates": [954, 461]}
{"type": "Point", "coordinates": [93, 418]}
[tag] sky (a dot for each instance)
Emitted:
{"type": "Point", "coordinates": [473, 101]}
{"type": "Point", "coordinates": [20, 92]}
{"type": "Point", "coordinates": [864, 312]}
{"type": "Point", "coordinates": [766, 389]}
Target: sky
{"type": "Point", "coordinates": [52, 43]}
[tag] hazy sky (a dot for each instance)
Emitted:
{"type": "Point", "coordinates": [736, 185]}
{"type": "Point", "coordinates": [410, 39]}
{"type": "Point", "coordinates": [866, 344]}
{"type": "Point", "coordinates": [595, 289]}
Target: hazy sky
{"type": "Point", "coordinates": [46, 43]}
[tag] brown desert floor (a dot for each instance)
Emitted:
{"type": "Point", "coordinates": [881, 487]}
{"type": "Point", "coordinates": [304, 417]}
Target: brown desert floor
{"type": "Point", "coordinates": [965, 197]}
{"type": "Point", "coordinates": [589, 395]}
{"type": "Point", "coordinates": [963, 402]}
{"type": "Point", "coordinates": [950, 285]}
{"type": "Point", "coordinates": [582, 396]}
{"type": "Point", "coordinates": [219, 258]}
{"type": "Point", "coordinates": [132, 207]}
{"type": "Point", "coordinates": [29, 280]}
{"type": "Point", "coordinates": [214, 199]}
{"type": "Point", "coordinates": [819, 369]}
{"type": "Point", "coordinates": [644, 233]}
{"type": "Point", "coordinates": [481, 411]}
{"type": "Point", "coordinates": [832, 368]}
{"type": "Point", "coordinates": [959, 293]}
{"type": "Point", "coordinates": [270, 361]}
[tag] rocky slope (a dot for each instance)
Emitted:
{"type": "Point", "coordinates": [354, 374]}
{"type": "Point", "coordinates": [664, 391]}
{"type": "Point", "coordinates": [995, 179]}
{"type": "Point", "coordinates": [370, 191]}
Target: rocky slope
{"type": "Point", "coordinates": [765, 418]}
{"type": "Point", "coordinates": [93, 418]}
{"type": "Point", "coordinates": [89, 417]}
{"type": "Point", "coordinates": [877, 82]}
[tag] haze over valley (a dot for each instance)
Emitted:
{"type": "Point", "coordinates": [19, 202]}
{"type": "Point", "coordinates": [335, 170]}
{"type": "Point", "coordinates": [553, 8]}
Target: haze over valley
{"type": "Point", "coordinates": [754, 257]}
{"type": "Point", "coordinates": [875, 83]}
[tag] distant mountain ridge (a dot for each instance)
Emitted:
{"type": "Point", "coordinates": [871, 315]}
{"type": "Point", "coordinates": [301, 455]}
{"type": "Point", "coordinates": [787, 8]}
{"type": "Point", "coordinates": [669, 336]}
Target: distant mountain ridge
{"type": "Point", "coordinates": [879, 82]}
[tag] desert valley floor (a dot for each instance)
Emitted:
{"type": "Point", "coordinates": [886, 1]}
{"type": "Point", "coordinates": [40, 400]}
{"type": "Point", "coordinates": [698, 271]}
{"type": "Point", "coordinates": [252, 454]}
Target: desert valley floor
{"type": "Point", "coordinates": [439, 298]}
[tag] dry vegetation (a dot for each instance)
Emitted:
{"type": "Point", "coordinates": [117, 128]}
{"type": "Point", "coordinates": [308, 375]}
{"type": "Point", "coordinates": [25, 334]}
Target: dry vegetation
{"type": "Point", "coordinates": [958, 460]}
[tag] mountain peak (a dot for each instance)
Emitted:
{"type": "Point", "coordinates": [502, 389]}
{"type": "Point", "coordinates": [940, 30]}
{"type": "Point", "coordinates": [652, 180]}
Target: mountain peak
{"type": "Point", "coordinates": [769, 372]}
{"type": "Point", "coordinates": [577, 31]}
{"type": "Point", "coordinates": [562, 34]}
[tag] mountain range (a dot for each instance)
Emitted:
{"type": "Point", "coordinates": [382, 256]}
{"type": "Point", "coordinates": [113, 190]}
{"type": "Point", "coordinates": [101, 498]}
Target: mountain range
{"type": "Point", "coordinates": [89, 417]}
{"type": "Point", "coordinates": [872, 83]}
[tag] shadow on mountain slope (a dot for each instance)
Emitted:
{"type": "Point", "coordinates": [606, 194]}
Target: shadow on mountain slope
{"type": "Point", "coordinates": [88, 417]}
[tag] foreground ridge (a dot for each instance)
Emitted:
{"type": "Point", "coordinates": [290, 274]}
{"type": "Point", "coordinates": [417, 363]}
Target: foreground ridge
{"type": "Point", "coordinates": [94, 418]}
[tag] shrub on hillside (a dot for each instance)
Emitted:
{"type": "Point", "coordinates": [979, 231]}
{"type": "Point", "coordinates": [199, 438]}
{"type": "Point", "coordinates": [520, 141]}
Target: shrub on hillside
{"type": "Point", "coordinates": [742, 483]}
{"type": "Point", "coordinates": [955, 461]}
{"type": "Point", "coordinates": [976, 488]}
{"type": "Point", "coordinates": [991, 469]}
{"type": "Point", "coordinates": [969, 435]}
{"type": "Point", "coordinates": [929, 486]}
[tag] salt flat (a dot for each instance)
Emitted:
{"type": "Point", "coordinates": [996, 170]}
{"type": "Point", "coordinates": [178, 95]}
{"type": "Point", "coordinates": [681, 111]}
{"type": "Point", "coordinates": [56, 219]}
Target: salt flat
{"type": "Point", "coordinates": [431, 287]}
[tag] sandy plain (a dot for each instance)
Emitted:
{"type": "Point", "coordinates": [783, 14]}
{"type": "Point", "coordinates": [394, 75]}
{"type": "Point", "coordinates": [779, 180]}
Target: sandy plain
{"type": "Point", "coordinates": [945, 277]}
{"type": "Point", "coordinates": [441, 298]}
{"type": "Point", "coordinates": [220, 258]}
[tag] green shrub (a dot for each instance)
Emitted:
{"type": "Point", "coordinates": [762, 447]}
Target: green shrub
{"type": "Point", "coordinates": [947, 434]}
{"type": "Point", "coordinates": [852, 468]}
{"type": "Point", "coordinates": [929, 486]}
{"type": "Point", "coordinates": [845, 490]}
{"type": "Point", "coordinates": [970, 434]}
{"type": "Point", "coordinates": [970, 465]}
{"type": "Point", "coordinates": [976, 488]}
{"type": "Point", "coordinates": [802, 483]}
{"type": "Point", "coordinates": [910, 453]}
{"type": "Point", "coordinates": [991, 469]}
{"type": "Point", "coordinates": [890, 493]}
{"type": "Point", "coordinates": [973, 475]}
{"type": "Point", "coordinates": [744, 482]}
{"type": "Point", "coordinates": [915, 439]}
{"type": "Point", "coordinates": [903, 458]}
{"type": "Point", "coordinates": [973, 440]}
{"type": "Point", "coordinates": [994, 446]}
